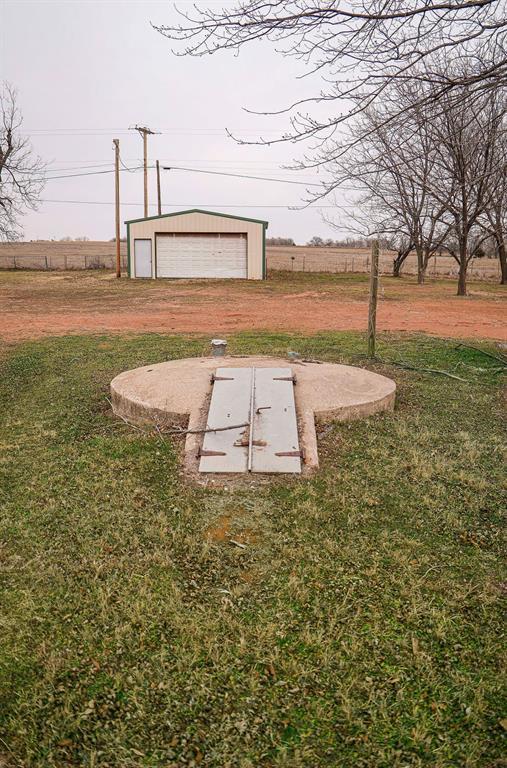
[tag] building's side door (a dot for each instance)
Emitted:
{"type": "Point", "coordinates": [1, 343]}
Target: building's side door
{"type": "Point", "coordinates": [142, 258]}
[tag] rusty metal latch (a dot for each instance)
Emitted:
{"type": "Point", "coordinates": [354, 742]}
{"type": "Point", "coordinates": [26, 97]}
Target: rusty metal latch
{"type": "Point", "coordinates": [221, 378]}
{"type": "Point", "coordinates": [245, 443]}
{"type": "Point", "coordinates": [263, 408]}
{"type": "Point", "coordinates": [202, 452]}
{"type": "Point", "coordinates": [286, 378]}
{"type": "Point", "coordinates": [296, 454]}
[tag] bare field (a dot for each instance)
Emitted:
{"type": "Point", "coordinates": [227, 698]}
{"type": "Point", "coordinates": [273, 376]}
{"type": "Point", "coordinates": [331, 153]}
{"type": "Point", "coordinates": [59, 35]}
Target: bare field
{"type": "Point", "coordinates": [51, 255]}
{"type": "Point", "coordinates": [301, 258]}
{"type": "Point", "coordinates": [96, 254]}
{"type": "Point", "coordinates": [37, 304]}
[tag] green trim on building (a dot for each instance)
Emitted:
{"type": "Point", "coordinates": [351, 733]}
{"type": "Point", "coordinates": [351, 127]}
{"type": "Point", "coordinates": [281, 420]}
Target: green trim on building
{"type": "Point", "coordinates": [128, 249]}
{"type": "Point", "coordinates": [197, 210]}
{"type": "Point", "coordinates": [264, 265]}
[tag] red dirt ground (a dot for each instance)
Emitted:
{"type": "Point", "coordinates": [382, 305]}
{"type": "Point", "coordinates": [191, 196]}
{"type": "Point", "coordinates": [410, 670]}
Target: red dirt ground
{"type": "Point", "coordinates": [34, 304]}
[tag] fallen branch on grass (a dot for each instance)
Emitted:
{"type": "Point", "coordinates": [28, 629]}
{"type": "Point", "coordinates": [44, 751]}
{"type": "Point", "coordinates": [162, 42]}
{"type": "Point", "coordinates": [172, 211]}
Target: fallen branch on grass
{"type": "Point", "coordinates": [202, 431]}
{"type": "Point", "coordinates": [179, 431]}
{"type": "Point", "coordinates": [410, 367]}
{"type": "Point", "coordinates": [499, 358]}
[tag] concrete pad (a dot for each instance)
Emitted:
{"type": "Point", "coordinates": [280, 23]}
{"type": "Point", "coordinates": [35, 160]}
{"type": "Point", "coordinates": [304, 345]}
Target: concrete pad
{"type": "Point", "coordinates": [165, 393]}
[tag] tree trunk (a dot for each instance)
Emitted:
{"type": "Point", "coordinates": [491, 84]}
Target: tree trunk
{"type": "Point", "coordinates": [399, 261]}
{"type": "Point", "coordinates": [462, 274]}
{"type": "Point", "coordinates": [420, 266]}
{"type": "Point", "coordinates": [463, 263]}
{"type": "Point", "coordinates": [462, 280]}
{"type": "Point", "coordinates": [427, 254]}
{"type": "Point", "coordinates": [502, 255]}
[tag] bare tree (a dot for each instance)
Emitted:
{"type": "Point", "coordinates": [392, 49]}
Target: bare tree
{"type": "Point", "coordinates": [430, 175]}
{"type": "Point", "coordinates": [467, 135]}
{"type": "Point", "coordinates": [359, 48]}
{"type": "Point", "coordinates": [393, 165]}
{"type": "Point", "coordinates": [494, 221]}
{"type": "Point", "coordinates": [21, 171]}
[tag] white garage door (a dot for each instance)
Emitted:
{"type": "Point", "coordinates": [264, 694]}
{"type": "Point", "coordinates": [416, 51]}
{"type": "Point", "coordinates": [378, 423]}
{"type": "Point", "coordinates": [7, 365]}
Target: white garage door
{"type": "Point", "coordinates": [206, 255]}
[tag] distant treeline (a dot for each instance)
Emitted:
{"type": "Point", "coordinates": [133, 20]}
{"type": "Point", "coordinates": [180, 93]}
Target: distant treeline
{"type": "Point", "coordinates": [487, 248]}
{"type": "Point", "coordinates": [320, 242]}
{"type": "Point", "coordinates": [280, 241]}
{"type": "Point", "coordinates": [348, 242]}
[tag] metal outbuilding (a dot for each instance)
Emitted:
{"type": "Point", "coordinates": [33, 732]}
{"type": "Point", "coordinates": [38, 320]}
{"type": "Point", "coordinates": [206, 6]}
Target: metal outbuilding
{"type": "Point", "coordinates": [197, 243]}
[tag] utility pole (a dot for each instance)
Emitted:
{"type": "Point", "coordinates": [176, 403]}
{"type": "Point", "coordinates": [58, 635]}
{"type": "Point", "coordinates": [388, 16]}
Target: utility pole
{"type": "Point", "coordinates": [117, 203]}
{"type": "Point", "coordinates": [158, 190]}
{"type": "Point", "coordinates": [145, 132]}
{"type": "Point", "coordinates": [372, 308]}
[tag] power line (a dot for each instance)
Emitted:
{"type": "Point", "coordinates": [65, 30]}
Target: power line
{"type": "Point", "coordinates": [259, 178]}
{"type": "Point", "coordinates": [130, 170]}
{"type": "Point", "coordinates": [83, 131]}
{"type": "Point", "coordinates": [77, 167]}
{"type": "Point", "coordinates": [178, 168]}
{"type": "Point", "coordinates": [265, 166]}
{"type": "Point", "coordinates": [191, 170]}
{"type": "Point", "coordinates": [86, 202]}
{"type": "Point", "coordinates": [288, 206]}
{"type": "Point", "coordinates": [91, 173]}
{"type": "Point", "coordinates": [197, 170]}
{"type": "Point", "coordinates": [201, 160]}
{"type": "Point", "coordinates": [241, 176]}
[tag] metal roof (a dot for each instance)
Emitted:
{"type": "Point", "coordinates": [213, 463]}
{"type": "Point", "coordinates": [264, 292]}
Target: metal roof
{"type": "Point", "coordinates": [198, 210]}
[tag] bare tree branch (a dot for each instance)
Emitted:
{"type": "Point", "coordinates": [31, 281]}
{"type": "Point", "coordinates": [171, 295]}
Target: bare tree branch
{"type": "Point", "coordinates": [21, 171]}
{"type": "Point", "coordinates": [358, 47]}
{"type": "Point", "coordinates": [436, 179]}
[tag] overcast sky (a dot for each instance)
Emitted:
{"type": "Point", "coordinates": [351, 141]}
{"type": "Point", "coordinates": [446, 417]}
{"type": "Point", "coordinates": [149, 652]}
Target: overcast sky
{"type": "Point", "coordinates": [86, 71]}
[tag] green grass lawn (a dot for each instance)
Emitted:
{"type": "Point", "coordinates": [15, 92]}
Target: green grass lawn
{"type": "Point", "coordinates": [361, 625]}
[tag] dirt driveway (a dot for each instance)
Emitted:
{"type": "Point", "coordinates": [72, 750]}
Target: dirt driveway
{"type": "Point", "coordinates": [35, 304]}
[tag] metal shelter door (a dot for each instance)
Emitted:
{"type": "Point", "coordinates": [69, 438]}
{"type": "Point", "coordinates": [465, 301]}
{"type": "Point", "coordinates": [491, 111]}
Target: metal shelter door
{"type": "Point", "coordinates": [227, 449]}
{"type": "Point", "coordinates": [275, 445]}
{"type": "Point", "coordinates": [256, 406]}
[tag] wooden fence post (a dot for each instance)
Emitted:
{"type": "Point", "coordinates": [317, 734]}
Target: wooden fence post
{"type": "Point", "coordinates": [372, 308]}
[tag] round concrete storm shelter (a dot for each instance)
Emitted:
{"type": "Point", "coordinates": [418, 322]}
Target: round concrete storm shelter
{"type": "Point", "coordinates": [249, 414]}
